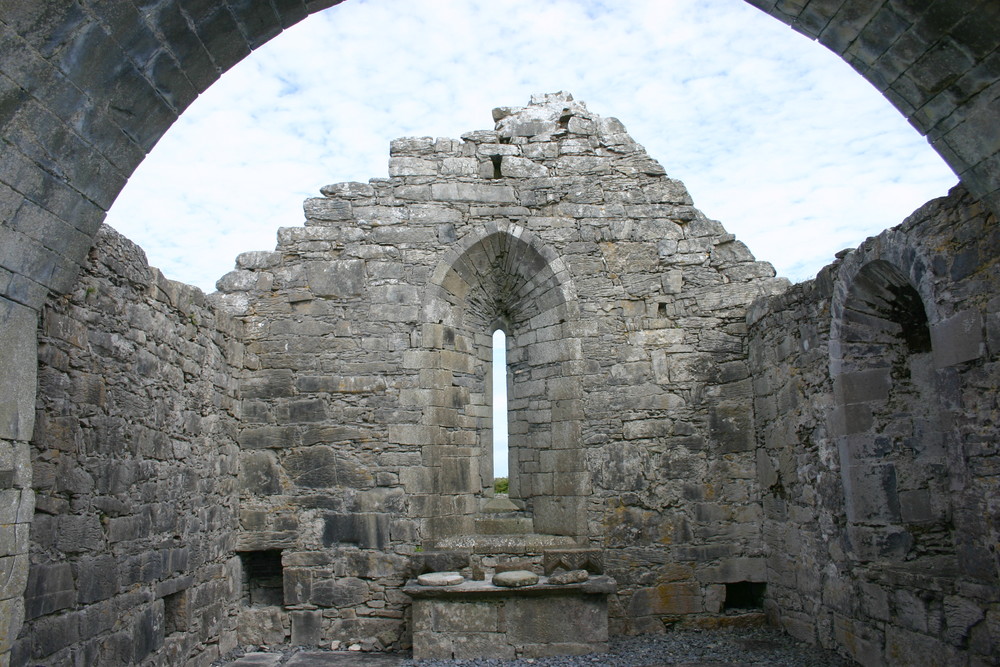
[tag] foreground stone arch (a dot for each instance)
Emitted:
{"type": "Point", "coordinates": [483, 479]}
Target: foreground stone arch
{"type": "Point", "coordinates": [88, 89]}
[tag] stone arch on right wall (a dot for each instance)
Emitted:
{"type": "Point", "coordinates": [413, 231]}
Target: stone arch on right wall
{"type": "Point", "coordinates": [890, 423]}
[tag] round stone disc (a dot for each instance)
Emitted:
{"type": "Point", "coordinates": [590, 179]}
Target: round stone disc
{"type": "Point", "coordinates": [440, 579]}
{"type": "Point", "coordinates": [515, 579]}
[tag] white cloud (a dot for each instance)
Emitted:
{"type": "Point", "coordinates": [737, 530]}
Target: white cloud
{"type": "Point", "coordinates": [774, 136]}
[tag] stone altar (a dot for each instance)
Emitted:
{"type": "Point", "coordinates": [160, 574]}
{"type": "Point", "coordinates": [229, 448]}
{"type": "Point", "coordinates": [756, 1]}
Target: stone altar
{"type": "Point", "coordinates": [476, 619]}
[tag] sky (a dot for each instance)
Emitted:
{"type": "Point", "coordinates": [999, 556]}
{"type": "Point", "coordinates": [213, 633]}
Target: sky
{"type": "Point", "coordinates": [773, 135]}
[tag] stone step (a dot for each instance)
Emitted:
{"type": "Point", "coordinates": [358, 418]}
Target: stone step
{"type": "Point", "coordinates": [511, 523]}
{"type": "Point", "coordinates": [500, 504]}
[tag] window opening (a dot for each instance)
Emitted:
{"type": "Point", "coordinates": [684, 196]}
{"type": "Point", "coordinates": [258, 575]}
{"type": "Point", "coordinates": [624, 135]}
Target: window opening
{"type": "Point", "coordinates": [497, 160]}
{"type": "Point", "coordinates": [499, 411]}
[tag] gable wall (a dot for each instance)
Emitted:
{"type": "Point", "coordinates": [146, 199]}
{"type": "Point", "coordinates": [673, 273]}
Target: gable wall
{"type": "Point", "coordinates": [365, 410]}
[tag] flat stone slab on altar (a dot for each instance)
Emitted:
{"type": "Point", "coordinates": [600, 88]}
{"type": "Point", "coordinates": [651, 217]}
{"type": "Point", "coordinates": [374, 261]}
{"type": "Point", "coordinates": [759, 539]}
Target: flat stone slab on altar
{"type": "Point", "coordinates": [440, 579]}
{"type": "Point", "coordinates": [515, 579]}
{"type": "Point", "coordinates": [471, 589]}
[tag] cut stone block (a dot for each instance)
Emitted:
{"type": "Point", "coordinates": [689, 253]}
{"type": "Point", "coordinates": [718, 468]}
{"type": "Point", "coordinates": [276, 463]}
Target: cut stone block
{"type": "Point", "coordinates": [440, 579]}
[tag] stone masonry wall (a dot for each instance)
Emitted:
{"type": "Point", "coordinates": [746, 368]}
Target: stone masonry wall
{"type": "Point", "coordinates": [365, 439]}
{"type": "Point", "coordinates": [135, 469]}
{"type": "Point", "coordinates": [103, 83]}
{"type": "Point", "coordinates": [18, 328]}
{"type": "Point", "coordinates": [876, 423]}
{"type": "Point", "coordinates": [273, 462]}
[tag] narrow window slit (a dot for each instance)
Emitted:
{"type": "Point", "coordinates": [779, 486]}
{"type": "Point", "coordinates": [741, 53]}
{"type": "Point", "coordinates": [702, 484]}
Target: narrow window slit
{"type": "Point", "coordinates": [499, 411]}
{"type": "Point", "coordinates": [496, 160]}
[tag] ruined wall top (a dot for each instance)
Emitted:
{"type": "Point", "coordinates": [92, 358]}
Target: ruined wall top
{"type": "Point", "coordinates": [554, 135]}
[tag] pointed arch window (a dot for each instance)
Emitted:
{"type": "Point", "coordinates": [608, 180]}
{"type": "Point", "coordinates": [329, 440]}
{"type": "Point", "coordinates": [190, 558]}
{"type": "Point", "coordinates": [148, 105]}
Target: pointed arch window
{"type": "Point", "coordinates": [503, 292]}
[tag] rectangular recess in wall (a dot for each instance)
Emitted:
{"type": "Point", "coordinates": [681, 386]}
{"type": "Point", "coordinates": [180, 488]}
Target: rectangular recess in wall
{"type": "Point", "coordinates": [263, 577]}
{"type": "Point", "coordinates": [176, 615]}
{"type": "Point", "coordinates": [744, 595]}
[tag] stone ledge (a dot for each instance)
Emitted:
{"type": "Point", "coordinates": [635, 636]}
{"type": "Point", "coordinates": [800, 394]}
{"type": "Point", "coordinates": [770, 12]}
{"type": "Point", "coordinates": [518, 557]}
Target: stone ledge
{"type": "Point", "coordinates": [468, 590]}
{"type": "Point", "coordinates": [507, 544]}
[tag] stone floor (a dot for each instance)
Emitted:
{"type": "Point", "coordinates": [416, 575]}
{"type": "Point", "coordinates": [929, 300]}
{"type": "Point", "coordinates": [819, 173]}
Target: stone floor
{"type": "Point", "coordinates": [748, 647]}
{"type": "Point", "coordinates": [318, 659]}
{"type": "Point", "coordinates": [345, 659]}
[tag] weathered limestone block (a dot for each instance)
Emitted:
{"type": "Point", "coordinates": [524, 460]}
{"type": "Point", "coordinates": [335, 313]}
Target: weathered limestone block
{"type": "Point", "coordinates": [327, 209]}
{"type": "Point", "coordinates": [262, 626]}
{"type": "Point", "coordinates": [306, 628]}
{"type": "Point", "coordinates": [259, 473]}
{"type": "Point", "coordinates": [958, 338]}
{"type": "Point", "coordinates": [14, 574]}
{"type": "Point", "coordinates": [411, 166]}
{"type": "Point", "coordinates": [411, 146]}
{"type": "Point", "coordinates": [349, 191]}
{"type": "Point", "coordinates": [734, 569]}
{"type": "Point", "coordinates": [339, 592]}
{"type": "Point", "coordinates": [267, 384]}
{"type": "Point", "coordinates": [367, 530]}
{"type": "Point", "coordinates": [269, 437]}
{"type": "Point", "coordinates": [97, 579]}
{"type": "Point", "coordinates": [477, 619]}
{"type": "Point", "coordinates": [459, 166]}
{"type": "Point", "coordinates": [49, 588]}
{"type": "Point", "coordinates": [17, 370]}
{"type": "Point", "coordinates": [322, 467]}
{"type": "Point", "coordinates": [339, 278]}
{"type": "Point", "coordinates": [84, 533]}
{"type": "Point", "coordinates": [472, 192]}
{"type": "Point", "coordinates": [732, 427]}
{"type": "Point", "coordinates": [518, 167]}
{"type": "Point", "coordinates": [673, 598]}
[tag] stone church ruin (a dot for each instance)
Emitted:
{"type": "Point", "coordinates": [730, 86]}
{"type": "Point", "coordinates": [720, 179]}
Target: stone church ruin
{"type": "Point", "coordinates": [711, 446]}
{"type": "Point", "coordinates": [281, 461]}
